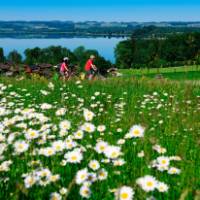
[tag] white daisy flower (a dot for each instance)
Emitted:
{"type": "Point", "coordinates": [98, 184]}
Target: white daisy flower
{"type": "Point", "coordinates": [74, 156]}
{"type": "Point", "coordinates": [94, 165]}
{"type": "Point", "coordinates": [45, 106]}
{"type": "Point", "coordinates": [65, 125]}
{"type": "Point", "coordinates": [112, 152]}
{"type": "Point", "coordinates": [101, 128]}
{"type": "Point", "coordinates": [102, 174]}
{"type": "Point", "coordinates": [101, 147]}
{"type": "Point", "coordinates": [162, 187]}
{"type": "Point", "coordinates": [85, 192]}
{"type": "Point", "coordinates": [174, 170]}
{"type": "Point", "coordinates": [147, 183]}
{"type": "Point", "coordinates": [88, 127]}
{"type": "Point", "coordinates": [31, 134]}
{"type": "Point", "coordinates": [79, 134]}
{"type": "Point", "coordinates": [21, 146]}
{"type": "Point", "coordinates": [55, 196]}
{"type": "Point", "coordinates": [136, 131]}
{"type": "Point", "coordinates": [88, 115]}
{"type": "Point", "coordinates": [58, 145]}
{"type": "Point", "coordinates": [124, 193]}
{"type": "Point", "coordinates": [81, 176]}
{"type": "Point", "coordinates": [61, 112]}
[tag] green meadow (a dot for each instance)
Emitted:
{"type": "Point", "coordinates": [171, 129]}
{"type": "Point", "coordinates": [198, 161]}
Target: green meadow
{"type": "Point", "coordinates": [34, 111]}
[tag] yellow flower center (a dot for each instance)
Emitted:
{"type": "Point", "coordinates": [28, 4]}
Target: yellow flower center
{"type": "Point", "coordinates": [88, 129]}
{"type": "Point", "coordinates": [164, 162]}
{"type": "Point", "coordinates": [32, 134]}
{"type": "Point", "coordinates": [124, 195]}
{"type": "Point", "coordinates": [149, 184]}
{"type": "Point", "coordinates": [114, 154]}
{"type": "Point", "coordinates": [136, 132]}
{"type": "Point", "coordinates": [21, 146]}
{"type": "Point", "coordinates": [74, 158]}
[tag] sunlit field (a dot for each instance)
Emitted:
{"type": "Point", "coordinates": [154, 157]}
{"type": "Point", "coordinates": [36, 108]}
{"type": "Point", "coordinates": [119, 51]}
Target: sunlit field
{"type": "Point", "coordinates": [171, 73]}
{"type": "Point", "coordinates": [115, 139]}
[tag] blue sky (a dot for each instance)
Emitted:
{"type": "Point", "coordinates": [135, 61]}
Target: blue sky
{"type": "Point", "coordinates": [107, 10]}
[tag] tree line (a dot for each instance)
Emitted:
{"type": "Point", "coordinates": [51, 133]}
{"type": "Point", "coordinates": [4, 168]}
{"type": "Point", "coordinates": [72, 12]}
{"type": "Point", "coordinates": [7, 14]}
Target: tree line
{"type": "Point", "coordinates": [175, 50]}
{"type": "Point", "coordinates": [54, 55]}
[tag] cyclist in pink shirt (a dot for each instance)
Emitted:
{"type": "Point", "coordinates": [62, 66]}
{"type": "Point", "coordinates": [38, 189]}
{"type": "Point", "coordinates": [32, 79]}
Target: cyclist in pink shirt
{"type": "Point", "coordinates": [64, 68]}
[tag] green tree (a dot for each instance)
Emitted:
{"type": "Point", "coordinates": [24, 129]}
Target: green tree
{"type": "Point", "coordinates": [2, 57]}
{"type": "Point", "coordinates": [15, 57]}
{"type": "Point", "coordinates": [124, 54]}
{"type": "Point", "coordinates": [79, 52]}
{"type": "Point", "coordinates": [33, 56]}
{"type": "Point", "coordinates": [55, 55]}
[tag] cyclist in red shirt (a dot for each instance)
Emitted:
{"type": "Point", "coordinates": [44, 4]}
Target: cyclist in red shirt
{"type": "Point", "coordinates": [90, 68]}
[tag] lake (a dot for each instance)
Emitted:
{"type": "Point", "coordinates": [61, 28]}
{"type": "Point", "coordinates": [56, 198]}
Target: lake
{"type": "Point", "coordinates": [105, 46]}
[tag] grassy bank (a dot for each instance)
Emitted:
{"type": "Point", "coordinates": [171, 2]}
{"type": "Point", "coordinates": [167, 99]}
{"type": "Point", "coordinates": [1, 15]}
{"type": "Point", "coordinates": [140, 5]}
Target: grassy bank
{"type": "Point", "coordinates": [173, 73]}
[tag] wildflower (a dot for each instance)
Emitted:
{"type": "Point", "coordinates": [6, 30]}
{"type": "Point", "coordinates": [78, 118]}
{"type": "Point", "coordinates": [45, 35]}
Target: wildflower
{"type": "Point", "coordinates": [112, 152]}
{"type": "Point", "coordinates": [135, 131]}
{"type": "Point", "coordinates": [65, 125]}
{"type": "Point", "coordinates": [101, 128]}
{"type": "Point", "coordinates": [21, 146]}
{"type": "Point", "coordinates": [78, 134]}
{"type": "Point", "coordinates": [46, 106]}
{"type": "Point", "coordinates": [51, 85]}
{"type": "Point", "coordinates": [69, 143]}
{"type": "Point", "coordinates": [94, 165]}
{"type": "Point", "coordinates": [175, 158]}
{"type": "Point", "coordinates": [5, 166]}
{"type": "Point", "coordinates": [124, 193]}
{"type": "Point", "coordinates": [119, 130]}
{"type": "Point", "coordinates": [174, 170]}
{"type": "Point", "coordinates": [44, 92]}
{"type": "Point", "coordinates": [121, 141]}
{"type": "Point", "coordinates": [140, 154]}
{"type": "Point", "coordinates": [88, 127]}
{"type": "Point", "coordinates": [55, 196]}
{"type": "Point", "coordinates": [58, 145]}
{"type": "Point", "coordinates": [63, 191]}
{"type": "Point", "coordinates": [88, 115]}
{"type": "Point", "coordinates": [101, 146]}
{"type": "Point", "coordinates": [54, 178]}
{"type": "Point", "coordinates": [61, 112]}
{"type": "Point", "coordinates": [162, 187]}
{"type": "Point", "coordinates": [31, 134]}
{"type": "Point", "coordinates": [49, 151]}
{"type": "Point", "coordinates": [163, 161]}
{"type": "Point", "coordinates": [74, 156]}
{"type": "Point", "coordinates": [85, 191]}
{"type": "Point", "coordinates": [102, 174]}
{"type": "Point", "coordinates": [119, 162]}
{"type": "Point", "coordinates": [159, 149]}
{"type": "Point", "coordinates": [29, 181]}
{"type": "Point", "coordinates": [81, 176]}
{"type": "Point", "coordinates": [147, 183]}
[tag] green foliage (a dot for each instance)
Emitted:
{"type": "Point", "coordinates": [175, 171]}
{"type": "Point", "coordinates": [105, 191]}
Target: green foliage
{"type": "Point", "coordinates": [2, 58]}
{"type": "Point", "coordinates": [52, 55]}
{"type": "Point", "coordinates": [176, 50]}
{"type": "Point", "coordinates": [32, 55]}
{"type": "Point", "coordinates": [15, 57]}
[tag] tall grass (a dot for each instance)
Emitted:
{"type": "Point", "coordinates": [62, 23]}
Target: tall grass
{"type": "Point", "coordinates": [168, 111]}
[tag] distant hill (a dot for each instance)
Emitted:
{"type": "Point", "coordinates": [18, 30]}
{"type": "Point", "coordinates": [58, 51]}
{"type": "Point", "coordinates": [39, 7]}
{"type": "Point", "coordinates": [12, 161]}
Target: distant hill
{"type": "Point", "coordinates": [56, 29]}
